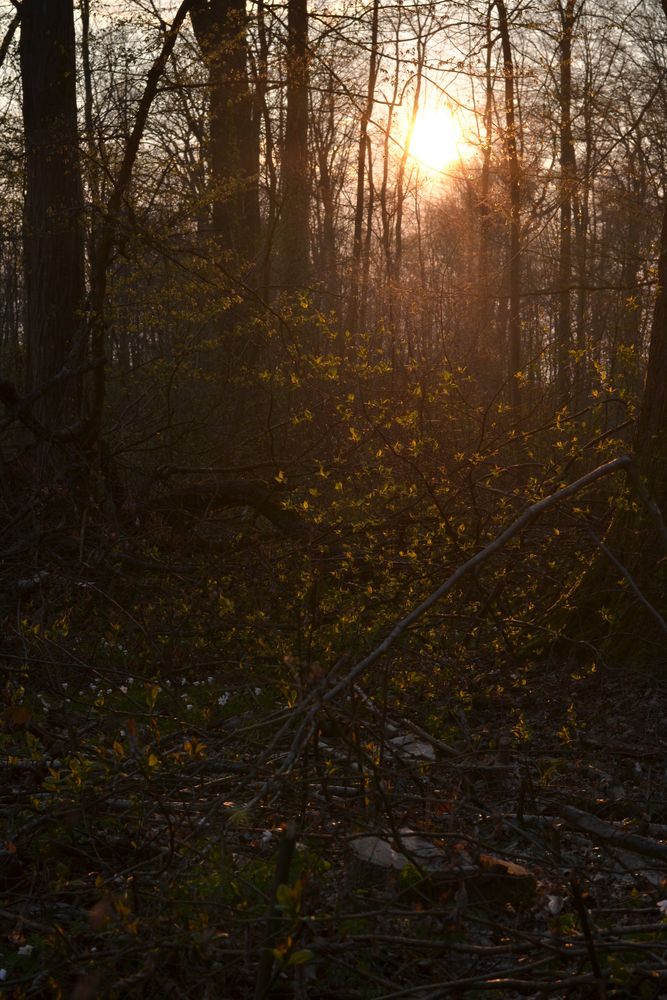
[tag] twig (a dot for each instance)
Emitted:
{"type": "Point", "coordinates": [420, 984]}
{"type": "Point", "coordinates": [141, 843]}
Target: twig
{"type": "Point", "coordinates": [648, 501]}
{"type": "Point", "coordinates": [629, 579]}
{"type": "Point", "coordinates": [9, 34]}
{"type": "Point", "coordinates": [588, 936]}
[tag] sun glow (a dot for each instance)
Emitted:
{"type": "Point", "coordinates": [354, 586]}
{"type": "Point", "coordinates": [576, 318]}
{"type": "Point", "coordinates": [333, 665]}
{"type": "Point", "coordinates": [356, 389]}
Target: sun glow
{"type": "Point", "coordinates": [437, 139]}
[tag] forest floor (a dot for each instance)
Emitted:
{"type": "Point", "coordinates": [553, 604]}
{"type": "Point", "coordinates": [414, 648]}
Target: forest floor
{"type": "Point", "coordinates": [176, 821]}
{"type": "Point", "coordinates": [531, 860]}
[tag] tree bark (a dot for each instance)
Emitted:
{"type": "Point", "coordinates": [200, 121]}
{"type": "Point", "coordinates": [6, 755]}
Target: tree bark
{"type": "Point", "coordinates": [295, 210]}
{"type": "Point", "coordinates": [512, 155]}
{"type": "Point", "coordinates": [567, 182]}
{"type": "Point", "coordinates": [651, 438]}
{"type": "Point", "coordinates": [220, 27]}
{"type": "Point", "coordinates": [53, 215]}
{"type": "Point", "coordinates": [483, 314]}
{"type": "Point", "coordinates": [355, 273]}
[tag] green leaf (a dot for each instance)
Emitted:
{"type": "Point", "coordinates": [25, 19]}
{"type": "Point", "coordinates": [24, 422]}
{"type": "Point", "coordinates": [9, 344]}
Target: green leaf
{"type": "Point", "coordinates": [300, 957]}
{"type": "Point", "coordinates": [284, 895]}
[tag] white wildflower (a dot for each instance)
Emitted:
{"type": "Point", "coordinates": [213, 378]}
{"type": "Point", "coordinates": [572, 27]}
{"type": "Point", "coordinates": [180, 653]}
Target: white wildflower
{"type": "Point", "coordinates": [26, 950]}
{"type": "Point", "coordinates": [662, 906]}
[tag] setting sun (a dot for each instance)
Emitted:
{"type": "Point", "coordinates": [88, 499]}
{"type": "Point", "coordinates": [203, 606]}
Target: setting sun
{"type": "Point", "coordinates": [436, 139]}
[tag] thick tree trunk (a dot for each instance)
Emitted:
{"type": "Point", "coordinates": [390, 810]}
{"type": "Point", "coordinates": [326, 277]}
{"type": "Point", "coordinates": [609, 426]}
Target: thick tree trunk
{"type": "Point", "coordinates": [54, 233]}
{"type": "Point", "coordinates": [294, 265]}
{"type": "Point", "coordinates": [221, 31]}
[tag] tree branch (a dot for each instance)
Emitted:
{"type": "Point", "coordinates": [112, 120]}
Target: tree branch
{"type": "Point", "coordinates": [311, 705]}
{"type": "Point", "coordinates": [9, 34]}
{"type": "Point", "coordinates": [529, 515]}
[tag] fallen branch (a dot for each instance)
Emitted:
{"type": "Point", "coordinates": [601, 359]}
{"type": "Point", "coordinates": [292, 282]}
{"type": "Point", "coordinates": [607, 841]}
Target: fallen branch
{"type": "Point", "coordinates": [608, 833]}
{"type": "Point", "coordinates": [321, 695]}
{"type": "Point", "coordinates": [529, 515]}
{"type": "Point", "coordinates": [648, 501]}
{"type": "Point", "coordinates": [629, 579]}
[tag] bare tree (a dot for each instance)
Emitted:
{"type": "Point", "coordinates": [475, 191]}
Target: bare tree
{"type": "Point", "coordinates": [568, 18]}
{"type": "Point", "coordinates": [514, 170]}
{"type": "Point", "coordinates": [362, 154]}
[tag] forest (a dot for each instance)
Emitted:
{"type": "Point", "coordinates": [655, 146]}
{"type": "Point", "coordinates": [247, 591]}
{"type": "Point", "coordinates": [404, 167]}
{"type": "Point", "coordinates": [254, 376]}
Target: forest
{"type": "Point", "coordinates": [333, 478]}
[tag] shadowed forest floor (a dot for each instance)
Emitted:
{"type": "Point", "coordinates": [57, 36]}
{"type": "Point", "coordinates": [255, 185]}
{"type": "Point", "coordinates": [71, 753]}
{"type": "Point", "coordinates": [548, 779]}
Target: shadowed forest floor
{"type": "Point", "coordinates": [464, 824]}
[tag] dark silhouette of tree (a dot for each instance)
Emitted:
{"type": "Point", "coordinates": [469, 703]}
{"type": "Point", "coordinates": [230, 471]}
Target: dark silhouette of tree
{"type": "Point", "coordinates": [221, 30]}
{"type": "Point", "coordinates": [651, 438]}
{"type": "Point", "coordinates": [567, 17]}
{"type": "Point", "coordinates": [54, 231]}
{"type": "Point", "coordinates": [514, 173]}
{"type": "Point", "coordinates": [294, 243]}
{"type": "Point", "coordinates": [362, 156]}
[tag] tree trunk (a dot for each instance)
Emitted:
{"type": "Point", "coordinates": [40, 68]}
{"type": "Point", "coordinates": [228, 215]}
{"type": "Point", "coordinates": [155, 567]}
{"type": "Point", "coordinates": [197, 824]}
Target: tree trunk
{"type": "Point", "coordinates": [295, 210]}
{"type": "Point", "coordinates": [262, 113]}
{"type": "Point", "coordinates": [479, 344]}
{"type": "Point", "coordinates": [567, 183]}
{"type": "Point", "coordinates": [324, 132]}
{"type": "Point", "coordinates": [511, 153]}
{"type": "Point", "coordinates": [355, 273]}
{"type": "Point", "coordinates": [221, 31]}
{"type": "Point", "coordinates": [651, 440]}
{"type": "Point", "coordinates": [53, 220]}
